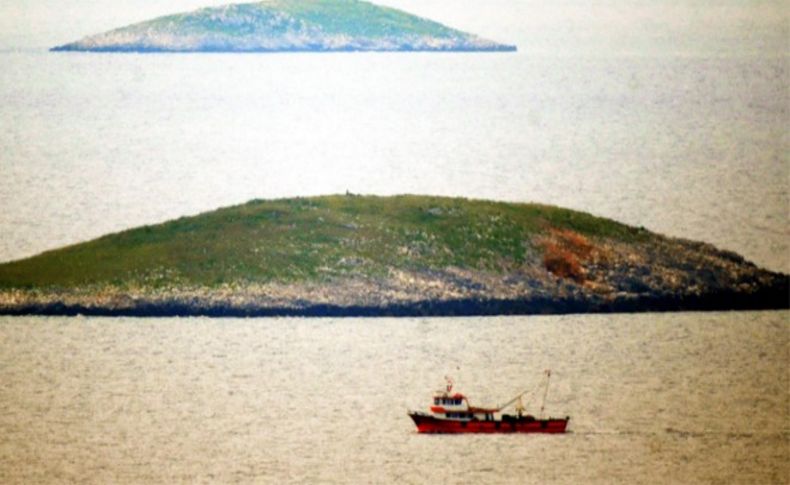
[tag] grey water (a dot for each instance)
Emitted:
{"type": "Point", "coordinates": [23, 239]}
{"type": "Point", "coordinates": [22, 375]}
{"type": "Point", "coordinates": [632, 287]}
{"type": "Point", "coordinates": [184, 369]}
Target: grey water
{"type": "Point", "coordinates": [653, 398]}
{"type": "Point", "coordinates": [690, 146]}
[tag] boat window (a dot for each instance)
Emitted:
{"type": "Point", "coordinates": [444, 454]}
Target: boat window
{"type": "Point", "coordinates": [458, 401]}
{"type": "Point", "coordinates": [436, 400]}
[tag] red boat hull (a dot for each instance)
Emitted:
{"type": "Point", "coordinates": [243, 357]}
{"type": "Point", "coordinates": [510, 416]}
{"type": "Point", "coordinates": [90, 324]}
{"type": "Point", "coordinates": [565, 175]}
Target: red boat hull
{"type": "Point", "coordinates": [508, 424]}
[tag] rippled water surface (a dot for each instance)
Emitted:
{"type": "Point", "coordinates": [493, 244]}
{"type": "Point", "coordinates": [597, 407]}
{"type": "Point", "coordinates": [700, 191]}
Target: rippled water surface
{"type": "Point", "coordinates": [674, 398]}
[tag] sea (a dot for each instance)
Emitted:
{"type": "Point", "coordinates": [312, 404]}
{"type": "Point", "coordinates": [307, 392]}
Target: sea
{"type": "Point", "coordinates": [652, 398]}
{"type": "Point", "coordinates": [691, 146]}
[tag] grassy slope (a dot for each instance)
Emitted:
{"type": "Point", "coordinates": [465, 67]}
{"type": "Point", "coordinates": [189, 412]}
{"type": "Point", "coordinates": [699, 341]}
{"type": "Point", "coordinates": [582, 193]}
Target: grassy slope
{"type": "Point", "coordinates": [291, 240]}
{"type": "Point", "coordinates": [333, 16]}
{"type": "Point", "coordinates": [361, 18]}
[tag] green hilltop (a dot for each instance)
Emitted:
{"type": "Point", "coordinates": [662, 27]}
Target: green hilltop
{"type": "Point", "coordinates": [313, 238]}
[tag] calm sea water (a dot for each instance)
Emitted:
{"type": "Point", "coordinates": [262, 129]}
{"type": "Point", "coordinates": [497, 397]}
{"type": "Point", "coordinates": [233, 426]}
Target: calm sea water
{"type": "Point", "coordinates": [653, 398]}
{"type": "Point", "coordinates": [693, 147]}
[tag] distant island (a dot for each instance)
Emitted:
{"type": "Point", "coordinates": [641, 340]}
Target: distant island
{"type": "Point", "coordinates": [348, 255]}
{"type": "Point", "coordinates": [286, 26]}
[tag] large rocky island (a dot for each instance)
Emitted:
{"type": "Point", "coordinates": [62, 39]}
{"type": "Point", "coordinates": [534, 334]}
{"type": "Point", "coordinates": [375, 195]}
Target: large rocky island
{"type": "Point", "coordinates": [404, 255]}
{"type": "Point", "coordinates": [286, 26]}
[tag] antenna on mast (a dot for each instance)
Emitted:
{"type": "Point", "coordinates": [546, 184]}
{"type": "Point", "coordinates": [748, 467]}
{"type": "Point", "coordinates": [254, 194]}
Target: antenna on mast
{"type": "Point", "coordinates": [449, 383]}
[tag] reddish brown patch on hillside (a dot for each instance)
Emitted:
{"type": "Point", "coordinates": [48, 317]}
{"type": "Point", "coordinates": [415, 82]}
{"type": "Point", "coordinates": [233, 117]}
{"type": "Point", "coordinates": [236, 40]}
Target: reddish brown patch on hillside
{"type": "Point", "coordinates": [562, 262]}
{"type": "Point", "coordinates": [565, 251]}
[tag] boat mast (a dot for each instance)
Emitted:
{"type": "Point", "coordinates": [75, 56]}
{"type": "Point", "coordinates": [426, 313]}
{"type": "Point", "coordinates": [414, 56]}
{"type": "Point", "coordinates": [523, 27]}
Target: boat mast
{"type": "Point", "coordinates": [449, 385]}
{"type": "Point", "coordinates": [545, 392]}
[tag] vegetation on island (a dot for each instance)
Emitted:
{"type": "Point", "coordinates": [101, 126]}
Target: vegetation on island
{"type": "Point", "coordinates": [286, 25]}
{"type": "Point", "coordinates": [349, 250]}
{"type": "Point", "coordinates": [299, 239]}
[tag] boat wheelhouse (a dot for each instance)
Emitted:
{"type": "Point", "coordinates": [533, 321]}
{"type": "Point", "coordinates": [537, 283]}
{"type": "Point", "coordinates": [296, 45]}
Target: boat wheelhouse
{"type": "Point", "coordinates": [452, 413]}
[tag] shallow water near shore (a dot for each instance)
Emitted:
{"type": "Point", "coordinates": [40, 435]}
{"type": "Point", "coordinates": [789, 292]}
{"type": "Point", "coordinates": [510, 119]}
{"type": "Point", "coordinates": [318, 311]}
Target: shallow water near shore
{"type": "Point", "coordinates": [688, 397]}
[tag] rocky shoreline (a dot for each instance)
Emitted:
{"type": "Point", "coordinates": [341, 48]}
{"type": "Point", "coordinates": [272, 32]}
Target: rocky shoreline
{"type": "Point", "coordinates": [765, 300]}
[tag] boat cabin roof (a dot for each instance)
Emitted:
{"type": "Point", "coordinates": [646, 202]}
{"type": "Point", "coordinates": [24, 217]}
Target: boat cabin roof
{"type": "Point", "coordinates": [442, 394]}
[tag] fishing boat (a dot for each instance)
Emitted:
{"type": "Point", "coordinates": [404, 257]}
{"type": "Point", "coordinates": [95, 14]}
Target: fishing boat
{"type": "Point", "coordinates": [451, 412]}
